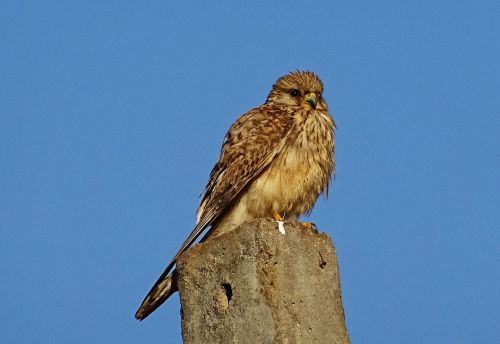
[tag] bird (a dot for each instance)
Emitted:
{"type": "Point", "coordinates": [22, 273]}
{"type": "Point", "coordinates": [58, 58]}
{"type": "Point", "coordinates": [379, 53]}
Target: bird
{"type": "Point", "coordinates": [275, 161]}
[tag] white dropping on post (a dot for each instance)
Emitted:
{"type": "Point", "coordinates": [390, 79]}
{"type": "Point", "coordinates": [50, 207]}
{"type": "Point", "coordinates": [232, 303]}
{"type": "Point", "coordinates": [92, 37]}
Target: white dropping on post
{"type": "Point", "coordinates": [281, 227]}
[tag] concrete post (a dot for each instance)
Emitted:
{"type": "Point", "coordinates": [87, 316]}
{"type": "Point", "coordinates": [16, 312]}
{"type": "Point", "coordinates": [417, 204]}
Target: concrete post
{"type": "Point", "coordinates": [257, 285]}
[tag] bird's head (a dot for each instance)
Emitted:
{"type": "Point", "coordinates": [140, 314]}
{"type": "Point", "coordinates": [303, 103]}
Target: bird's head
{"type": "Point", "coordinates": [303, 89]}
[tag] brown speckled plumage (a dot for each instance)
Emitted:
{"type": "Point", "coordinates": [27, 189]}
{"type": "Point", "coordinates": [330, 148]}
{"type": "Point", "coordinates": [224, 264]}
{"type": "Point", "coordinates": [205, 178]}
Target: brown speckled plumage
{"type": "Point", "coordinates": [275, 159]}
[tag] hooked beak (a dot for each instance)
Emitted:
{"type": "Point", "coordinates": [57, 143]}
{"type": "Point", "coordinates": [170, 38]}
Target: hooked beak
{"type": "Point", "coordinates": [311, 99]}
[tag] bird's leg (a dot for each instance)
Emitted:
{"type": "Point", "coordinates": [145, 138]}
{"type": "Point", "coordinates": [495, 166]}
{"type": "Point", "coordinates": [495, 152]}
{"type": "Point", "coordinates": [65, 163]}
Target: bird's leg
{"type": "Point", "coordinates": [277, 216]}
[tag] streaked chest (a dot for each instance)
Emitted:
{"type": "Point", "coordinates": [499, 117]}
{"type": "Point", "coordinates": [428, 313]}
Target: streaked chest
{"type": "Point", "coordinates": [302, 170]}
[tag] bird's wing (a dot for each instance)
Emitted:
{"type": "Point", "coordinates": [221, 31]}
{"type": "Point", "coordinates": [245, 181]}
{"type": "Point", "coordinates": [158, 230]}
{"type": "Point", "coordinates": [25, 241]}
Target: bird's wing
{"type": "Point", "coordinates": [249, 147]}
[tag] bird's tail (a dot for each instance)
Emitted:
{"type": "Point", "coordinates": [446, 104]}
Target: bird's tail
{"type": "Point", "coordinates": [161, 291]}
{"type": "Point", "coordinates": [166, 285]}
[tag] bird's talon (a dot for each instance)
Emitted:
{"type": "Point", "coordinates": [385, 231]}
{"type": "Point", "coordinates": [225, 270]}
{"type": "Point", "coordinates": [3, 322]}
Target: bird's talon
{"type": "Point", "coordinates": [310, 226]}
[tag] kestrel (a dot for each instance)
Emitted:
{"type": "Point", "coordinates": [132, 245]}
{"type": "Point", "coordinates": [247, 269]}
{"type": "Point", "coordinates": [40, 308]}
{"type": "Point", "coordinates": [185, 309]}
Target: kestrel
{"type": "Point", "coordinates": [275, 161]}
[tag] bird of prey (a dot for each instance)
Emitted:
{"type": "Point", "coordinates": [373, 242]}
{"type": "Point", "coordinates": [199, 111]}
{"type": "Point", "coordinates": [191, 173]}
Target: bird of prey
{"type": "Point", "coordinates": [275, 161]}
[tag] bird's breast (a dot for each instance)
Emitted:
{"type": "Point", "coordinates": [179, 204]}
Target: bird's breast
{"type": "Point", "coordinates": [299, 174]}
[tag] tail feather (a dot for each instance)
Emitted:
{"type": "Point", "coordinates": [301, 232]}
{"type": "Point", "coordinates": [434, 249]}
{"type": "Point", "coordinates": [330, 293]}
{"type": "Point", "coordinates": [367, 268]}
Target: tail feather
{"type": "Point", "coordinates": [166, 285]}
{"type": "Point", "coordinates": [161, 291]}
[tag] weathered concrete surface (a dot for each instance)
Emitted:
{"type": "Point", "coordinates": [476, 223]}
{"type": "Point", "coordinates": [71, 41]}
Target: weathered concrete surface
{"type": "Point", "coordinates": [256, 285]}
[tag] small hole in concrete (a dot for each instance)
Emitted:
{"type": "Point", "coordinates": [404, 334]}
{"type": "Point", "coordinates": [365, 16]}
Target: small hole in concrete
{"type": "Point", "coordinates": [229, 291]}
{"type": "Point", "coordinates": [322, 262]}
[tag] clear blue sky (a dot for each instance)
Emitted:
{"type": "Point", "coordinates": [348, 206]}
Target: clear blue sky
{"type": "Point", "coordinates": [113, 113]}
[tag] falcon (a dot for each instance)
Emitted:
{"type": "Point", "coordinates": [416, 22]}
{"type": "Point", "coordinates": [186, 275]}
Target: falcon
{"type": "Point", "coordinates": [275, 161]}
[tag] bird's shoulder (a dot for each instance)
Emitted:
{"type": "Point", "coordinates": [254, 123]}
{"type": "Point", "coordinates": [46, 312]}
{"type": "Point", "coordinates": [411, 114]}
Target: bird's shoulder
{"type": "Point", "coordinates": [268, 121]}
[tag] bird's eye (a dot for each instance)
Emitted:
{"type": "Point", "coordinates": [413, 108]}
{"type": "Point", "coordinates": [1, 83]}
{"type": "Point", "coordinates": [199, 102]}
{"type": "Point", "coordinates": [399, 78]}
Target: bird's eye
{"type": "Point", "coordinates": [294, 93]}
